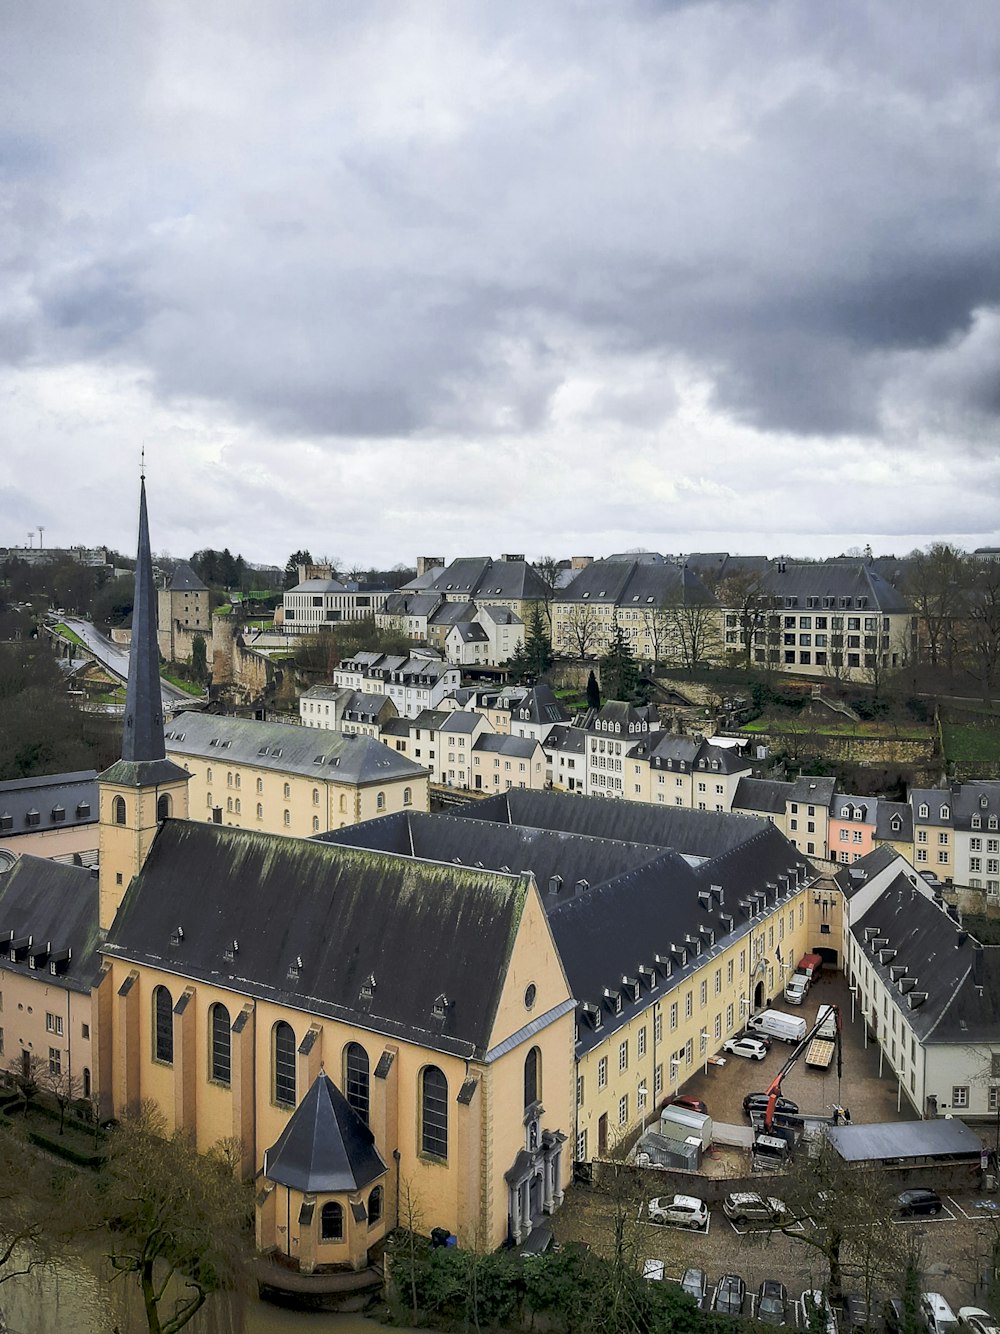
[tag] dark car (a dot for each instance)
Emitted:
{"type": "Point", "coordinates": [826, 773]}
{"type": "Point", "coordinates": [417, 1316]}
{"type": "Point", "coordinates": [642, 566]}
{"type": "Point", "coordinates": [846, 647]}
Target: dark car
{"type": "Point", "coordinates": [757, 1102]}
{"type": "Point", "coordinates": [730, 1295]}
{"type": "Point", "coordinates": [893, 1315]}
{"type": "Point", "coordinates": [918, 1201]}
{"type": "Point", "coordinates": [695, 1283]}
{"type": "Point", "coordinates": [761, 1037]}
{"type": "Point", "coordinates": [772, 1302]}
{"type": "Point", "coordinates": [689, 1101]}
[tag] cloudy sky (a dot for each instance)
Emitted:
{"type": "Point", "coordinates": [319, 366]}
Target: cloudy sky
{"type": "Point", "coordinates": [562, 278]}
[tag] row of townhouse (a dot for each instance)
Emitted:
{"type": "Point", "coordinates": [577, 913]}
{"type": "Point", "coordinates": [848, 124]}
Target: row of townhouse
{"type": "Point", "coordinates": [927, 990]}
{"type": "Point", "coordinates": [461, 749]}
{"type": "Point", "coordinates": [412, 683]}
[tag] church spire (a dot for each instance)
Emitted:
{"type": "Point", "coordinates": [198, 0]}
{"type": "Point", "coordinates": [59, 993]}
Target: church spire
{"type": "Point", "coordinates": [142, 738]}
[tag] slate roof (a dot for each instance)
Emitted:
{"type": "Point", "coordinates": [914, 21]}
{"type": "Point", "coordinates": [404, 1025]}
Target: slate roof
{"type": "Point", "coordinates": [288, 748]}
{"type": "Point", "coordinates": [846, 808]}
{"type": "Point", "coordinates": [422, 581]}
{"type": "Point", "coordinates": [517, 747]}
{"type": "Point", "coordinates": [570, 740]}
{"type": "Point", "coordinates": [812, 790]}
{"type": "Point", "coordinates": [884, 814]}
{"type": "Point", "coordinates": [142, 726]}
{"type": "Point", "coordinates": [186, 581]}
{"type": "Point", "coordinates": [451, 613]}
{"type": "Point", "coordinates": [422, 930]}
{"type": "Point", "coordinates": [761, 794]}
{"type": "Point", "coordinates": [470, 632]}
{"type": "Point", "coordinates": [631, 582]}
{"type": "Point", "coordinates": [935, 798]}
{"type": "Point", "coordinates": [937, 1138]}
{"type": "Point", "coordinates": [974, 799]}
{"type": "Point", "coordinates": [60, 800]}
{"type": "Point", "coordinates": [498, 615]}
{"type": "Point", "coordinates": [324, 692]}
{"type": "Point", "coordinates": [482, 577]}
{"type": "Point", "coordinates": [539, 705]}
{"type": "Point", "coordinates": [366, 706]}
{"type": "Point", "coordinates": [411, 604]}
{"type": "Point", "coordinates": [325, 1146]}
{"type": "Point", "coordinates": [397, 669]}
{"type": "Point", "coordinates": [320, 586]}
{"type": "Point", "coordinates": [54, 904]}
{"type": "Point", "coordinates": [462, 720]}
{"type": "Point", "coordinates": [851, 879]}
{"type": "Point", "coordinates": [619, 713]}
{"type": "Point", "coordinates": [942, 1003]}
{"type": "Point", "coordinates": [693, 833]}
{"type": "Point", "coordinates": [545, 853]}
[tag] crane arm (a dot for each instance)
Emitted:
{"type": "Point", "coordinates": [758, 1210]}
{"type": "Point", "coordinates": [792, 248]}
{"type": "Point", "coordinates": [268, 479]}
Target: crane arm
{"type": "Point", "coordinates": [774, 1088]}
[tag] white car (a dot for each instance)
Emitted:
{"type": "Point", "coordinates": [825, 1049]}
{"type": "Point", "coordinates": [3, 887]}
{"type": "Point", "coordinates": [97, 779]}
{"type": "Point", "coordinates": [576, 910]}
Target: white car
{"type": "Point", "coordinates": [749, 1207]}
{"type": "Point", "coordinates": [681, 1210]}
{"type": "Point", "coordinates": [816, 1299]}
{"type": "Point", "coordinates": [752, 1048]}
{"type": "Point", "coordinates": [977, 1320]}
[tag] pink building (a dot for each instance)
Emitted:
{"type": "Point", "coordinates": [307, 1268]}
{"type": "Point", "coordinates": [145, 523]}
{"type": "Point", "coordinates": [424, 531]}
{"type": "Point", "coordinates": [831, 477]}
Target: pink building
{"type": "Point", "coordinates": [852, 827]}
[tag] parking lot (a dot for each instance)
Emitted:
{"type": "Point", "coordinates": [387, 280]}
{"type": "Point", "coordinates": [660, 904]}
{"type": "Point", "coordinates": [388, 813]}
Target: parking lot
{"type": "Point", "coordinates": [954, 1244]}
{"type": "Point", "coordinates": [869, 1097]}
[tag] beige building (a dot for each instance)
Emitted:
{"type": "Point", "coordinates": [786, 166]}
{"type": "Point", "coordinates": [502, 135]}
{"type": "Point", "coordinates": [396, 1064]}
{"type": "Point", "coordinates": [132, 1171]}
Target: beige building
{"type": "Point", "coordinates": [54, 815]}
{"type": "Point", "coordinates": [184, 612]}
{"type": "Point", "coordinates": [286, 779]}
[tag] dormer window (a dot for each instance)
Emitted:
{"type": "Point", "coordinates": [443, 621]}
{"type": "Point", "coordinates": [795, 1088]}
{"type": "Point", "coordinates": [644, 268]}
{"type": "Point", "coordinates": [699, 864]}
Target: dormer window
{"type": "Point", "coordinates": [924, 810]}
{"type": "Point", "coordinates": [976, 822]}
{"type": "Point", "coordinates": [992, 822]}
{"type": "Point", "coordinates": [945, 812]}
{"type": "Point", "coordinates": [896, 824]}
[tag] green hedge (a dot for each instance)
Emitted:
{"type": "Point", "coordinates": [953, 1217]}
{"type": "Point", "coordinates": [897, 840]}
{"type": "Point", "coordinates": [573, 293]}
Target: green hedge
{"type": "Point", "coordinates": [64, 1150]}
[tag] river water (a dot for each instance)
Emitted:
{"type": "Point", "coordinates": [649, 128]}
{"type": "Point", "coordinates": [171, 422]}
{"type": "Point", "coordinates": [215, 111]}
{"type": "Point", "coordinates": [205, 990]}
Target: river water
{"type": "Point", "coordinates": [71, 1297]}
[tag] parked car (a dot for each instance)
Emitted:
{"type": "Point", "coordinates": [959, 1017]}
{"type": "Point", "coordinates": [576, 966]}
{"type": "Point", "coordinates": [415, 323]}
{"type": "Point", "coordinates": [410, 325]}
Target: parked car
{"type": "Point", "coordinates": [689, 1101]}
{"type": "Point", "coordinates": [796, 988]}
{"type": "Point", "coordinates": [749, 1207]}
{"type": "Point", "coordinates": [681, 1210]}
{"type": "Point", "coordinates": [919, 1200]}
{"type": "Point", "coordinates": [936, 1314]}
{"type": "Point", "coordinates": [759, 1037]}
{"type": "Point", "coordinates": [977, 1320]}
{"type": "Point", "coordinates": [752, 1048]}
{"type": "Point", "coordinates": [772, 1303]}
{"type": "Point", "coordinates": [695, 1283]}
{"type": "Point", "coordinates": [776, 1024]}
{"type": "Point", "coordinates": [757, 1102]}
{"type": "Point", "coordinates": [730, 1294]}
{"type": "Point", "coordinates": [814, 1299]}
{"type": "Point", "coordinates": [893, 1315]}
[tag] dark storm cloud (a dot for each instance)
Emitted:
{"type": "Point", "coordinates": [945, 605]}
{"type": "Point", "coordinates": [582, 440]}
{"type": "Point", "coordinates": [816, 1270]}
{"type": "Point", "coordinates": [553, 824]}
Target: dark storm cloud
{"type": "Point", "coordinates": [466, 226]}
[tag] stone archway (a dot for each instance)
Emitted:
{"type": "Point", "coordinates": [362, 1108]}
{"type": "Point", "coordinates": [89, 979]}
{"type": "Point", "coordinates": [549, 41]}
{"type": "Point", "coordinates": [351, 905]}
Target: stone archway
{"type": "Point", "coordinates": [758, 995]}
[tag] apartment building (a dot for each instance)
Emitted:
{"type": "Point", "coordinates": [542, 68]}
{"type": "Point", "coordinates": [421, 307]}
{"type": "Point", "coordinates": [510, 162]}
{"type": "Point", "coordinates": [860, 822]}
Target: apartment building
{"type": "Point", "coordinates": [412, 683]}
{"type": "Point", "coordinates": [339, 709]}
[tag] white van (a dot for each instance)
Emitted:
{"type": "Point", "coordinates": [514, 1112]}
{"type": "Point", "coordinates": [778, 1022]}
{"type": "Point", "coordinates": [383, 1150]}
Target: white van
{"type": "Point", "coordinates": [796, 988]}
{"type": "Point", "coordinates": [784, 1027]}
{"type": "Point", "coordinates": [936, 1314]}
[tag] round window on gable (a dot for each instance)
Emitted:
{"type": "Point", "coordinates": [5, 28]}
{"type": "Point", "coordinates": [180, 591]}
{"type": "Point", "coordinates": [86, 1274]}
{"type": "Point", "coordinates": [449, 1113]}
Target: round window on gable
{"type": "Point", "coordinates": [529, 996]}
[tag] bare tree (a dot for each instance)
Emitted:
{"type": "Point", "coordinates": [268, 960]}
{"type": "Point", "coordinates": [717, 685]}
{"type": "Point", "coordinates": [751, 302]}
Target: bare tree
{"type": "Point", "coordinates": [694, 631]}
{"type": "Point", "coordinates": [934, 585]}
{"type": "Point", "coordinates": [25, 1072]}
{"type": "Point", "coordinates": [583, 629]}
{"type": "Point", "coordinates": [63, 1088]}
{"type": "Point", "coordinates": [34, 1219]}
{"type": "Point", "coordinates": [743, 596]}
{"type": "Point", "coordinates": [178, 1221]}
{"type": "Point", "coordinates": [981, 627]}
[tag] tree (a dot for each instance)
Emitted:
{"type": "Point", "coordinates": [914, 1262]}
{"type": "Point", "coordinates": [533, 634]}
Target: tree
{"type": "Point", "coordinates": [178, 1220]}
{"type": "Point", "coordinates": [199, 658]}
{"type": "Point", "coordinates": [620, 670]}
{"type": "Point", "coordinates": [24, 1071]}
{"type": "Point", "coordinates": [63, 1088]}
{"type": "Point", "coordinates": [694, 634]}
{"type": "Point", "coordinates": [113, 604]}
{"type": "Point", "coordinates": [593, 691]}
{"type": "Point", "coordinates": [934, 585]}
{"type": "Point", "coordinates": [743, 596]}
{"type": "Point", "coordinates": [35, 1220]}
{"type": "Point", "coordinates": [292, 564]}
{"type": "Point", "coordinates": [981, 629]}
{"type": "Point", "coordinates": [846, 1209]}
{"type": "Point", "coordinates": [537, 641]}
{"type": "Point", "coordinates": [582, 628]}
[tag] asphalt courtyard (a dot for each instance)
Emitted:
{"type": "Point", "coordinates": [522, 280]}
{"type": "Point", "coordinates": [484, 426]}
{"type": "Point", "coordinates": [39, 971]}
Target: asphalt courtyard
{"type": "Point", "coordinates": [954, 1245]}
{"type": "Point", "coordinates": [869, 1096]}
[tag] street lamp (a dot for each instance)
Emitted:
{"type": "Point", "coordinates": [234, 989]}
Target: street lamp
{"type": "Point", "coordinates": [643, 1095]}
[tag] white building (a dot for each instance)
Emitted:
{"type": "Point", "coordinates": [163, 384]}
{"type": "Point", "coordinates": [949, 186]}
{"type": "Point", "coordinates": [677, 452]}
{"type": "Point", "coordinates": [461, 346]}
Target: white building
{"type": "Point", "coordinates": [413, 684]}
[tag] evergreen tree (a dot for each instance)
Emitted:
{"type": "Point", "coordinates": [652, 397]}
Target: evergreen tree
{"type": "Point", "coordinates": [296, 559]}
{"type": "Point", "coordinates": [537, 644]}
{"type": "Point", "coordinates": [620, 670]}
{"type": "Point", "coordinates": [593, 691]}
